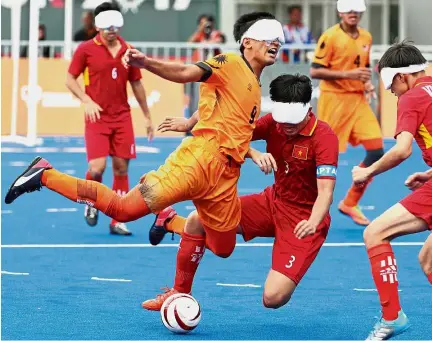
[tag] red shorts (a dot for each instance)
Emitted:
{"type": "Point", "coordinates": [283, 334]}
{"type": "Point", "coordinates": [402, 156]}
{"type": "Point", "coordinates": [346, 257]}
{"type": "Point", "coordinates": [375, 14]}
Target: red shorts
{"type": "Point", "coordinates": [262, 216]}
{"type": "Point", "coordinates": [221, 243]}
{"type": "Point", "coordinates": [419, 203]}
{"type": "Point", "coordinates": [110, 138]}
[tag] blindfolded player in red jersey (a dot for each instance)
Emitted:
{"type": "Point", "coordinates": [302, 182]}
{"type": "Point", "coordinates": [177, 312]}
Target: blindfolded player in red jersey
{"type": "Point", "coordinates": [108, 126]}
{"type": "Point", "coordinates": [303, 152]}
{"type": "Point", "coordinates": [402, 69]}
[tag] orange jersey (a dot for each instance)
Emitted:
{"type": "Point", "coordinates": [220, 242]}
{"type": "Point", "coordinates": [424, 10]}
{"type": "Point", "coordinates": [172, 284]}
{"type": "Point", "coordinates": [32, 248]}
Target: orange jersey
{"type": "Point", "coordinates": [336, 50]}
{"type": "Point", "coordinates": [230, 103]}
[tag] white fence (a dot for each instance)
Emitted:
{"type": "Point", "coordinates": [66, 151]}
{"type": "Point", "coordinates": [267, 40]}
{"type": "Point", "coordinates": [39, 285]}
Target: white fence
{"type": "Point", "coordinates": [191, 52]}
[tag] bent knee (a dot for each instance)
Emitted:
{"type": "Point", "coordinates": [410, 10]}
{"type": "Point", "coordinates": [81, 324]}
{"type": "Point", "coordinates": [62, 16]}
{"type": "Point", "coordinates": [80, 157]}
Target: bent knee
{"type": "Point", "coordinates": [425, 259]}
{"type": "Point", "coordinates": [372, 235]}
{"type": "Point", "coordinates": [223, 251]}
{"type": "Point", "coordinates": [275, 300]}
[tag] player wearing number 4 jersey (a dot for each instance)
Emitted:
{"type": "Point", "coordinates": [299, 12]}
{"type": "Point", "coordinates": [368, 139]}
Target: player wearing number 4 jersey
{"type": "Point", "coordinates": [303, 151]}
{"type": "Point", "coordinates": [108, 126]}
{"type": "Point", "coordinates": [205, 167]}
{"type": "Point", "coordinates": [342, 63]}
{"type": "Point", "coordinates": [402, 70]}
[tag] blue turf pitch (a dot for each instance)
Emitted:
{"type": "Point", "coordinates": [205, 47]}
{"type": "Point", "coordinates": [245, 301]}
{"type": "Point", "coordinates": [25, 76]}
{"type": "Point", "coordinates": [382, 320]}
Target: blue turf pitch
{"type": "Point", "coordinates": [59, 300]}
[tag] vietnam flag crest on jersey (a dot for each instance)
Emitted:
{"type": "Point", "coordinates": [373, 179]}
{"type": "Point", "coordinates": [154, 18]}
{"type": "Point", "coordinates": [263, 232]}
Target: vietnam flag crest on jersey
{"type": "Point", "coordinates": [300, 152]}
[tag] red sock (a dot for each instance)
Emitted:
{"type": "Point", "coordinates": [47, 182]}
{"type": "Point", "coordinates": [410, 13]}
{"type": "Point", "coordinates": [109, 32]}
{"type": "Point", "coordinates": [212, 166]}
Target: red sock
{"type": "Point", "coordinates": [384, 272]}
{"type": "Point", "coordinates": [429, 277]}
{"type": "Point", "coordinates": [90, 176]}
{"type": "Point", "coordinates": [121, 187]}
{"type": "Point", "coordinates": [190, 252]}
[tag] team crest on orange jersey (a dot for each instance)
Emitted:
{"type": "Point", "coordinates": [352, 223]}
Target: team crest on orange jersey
{"type": "Point", "coordinates": [300, 152]}
{"type": "Point", "coordinates": [220, 59]}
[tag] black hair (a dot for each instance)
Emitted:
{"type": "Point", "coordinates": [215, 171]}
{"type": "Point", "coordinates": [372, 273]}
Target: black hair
{"type": "Point", "coordinates": [106, 6]}
{"type": "Point", "coordinates": [293, 8]}
{"type": "Point", "coordinates": [247, 20]}
{"type": "Point", "coordinates": [291, 89]}
{"type": "Point", "coordinates": [400, 55]}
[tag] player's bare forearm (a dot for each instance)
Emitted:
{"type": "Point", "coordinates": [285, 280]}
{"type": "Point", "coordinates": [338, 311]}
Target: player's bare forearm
{"type": "Point", "coordinates": [323, 201]}
{"type": "Point", "coordinates": [175, 72]}
{"type": "Point", "coordinates": [396, 155]}
{"type": "Point", "coordinates": [193, 120]}
{"type": "Point", "coordinates": [326, 74]}
{"type": "Point", "coordinates": [73, 85]}
{"type": "Point", "coordinates": [141, 97]}
{"type": "Point", "coordinates": [252, 153]}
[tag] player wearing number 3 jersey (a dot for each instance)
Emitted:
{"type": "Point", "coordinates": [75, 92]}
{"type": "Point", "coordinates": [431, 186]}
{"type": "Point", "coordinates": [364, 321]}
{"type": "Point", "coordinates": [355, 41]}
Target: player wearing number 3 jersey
{"type": "Point", "coordinates": [342, 63]}
{"type": "Point", "coordinates": [304, 153]}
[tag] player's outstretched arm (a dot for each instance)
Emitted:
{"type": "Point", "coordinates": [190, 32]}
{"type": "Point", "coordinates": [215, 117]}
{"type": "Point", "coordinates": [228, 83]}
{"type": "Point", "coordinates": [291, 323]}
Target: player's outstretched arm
{"type": "Point", "coordinates": [179, 124]}
{"type": "Point", "coordinates": [172, 71]}
{"type": "Point", "coordinates": [265, 161]}
{"type": "Point", "coordinates": [397, 154]}
{"type": "Point", "coordinates": [319, 210]}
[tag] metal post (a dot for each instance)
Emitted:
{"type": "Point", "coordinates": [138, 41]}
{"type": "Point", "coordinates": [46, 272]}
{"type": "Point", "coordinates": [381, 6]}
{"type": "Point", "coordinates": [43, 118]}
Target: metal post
{"type": "Point", "coordinates": [67, 53]}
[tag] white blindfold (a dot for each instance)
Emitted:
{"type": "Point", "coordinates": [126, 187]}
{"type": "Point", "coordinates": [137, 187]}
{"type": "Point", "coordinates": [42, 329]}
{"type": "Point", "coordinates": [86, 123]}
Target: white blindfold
{"type": "Point", "coordinates": [346, 6]}
{"type": "Point", "coordinates": [108, 19]}
{"type": "Point", "coordinates": [292, 113]}
{"type": "Point", "coordinates": [265, 30]}
{"type": "Point", "coordinates": [388, 73]}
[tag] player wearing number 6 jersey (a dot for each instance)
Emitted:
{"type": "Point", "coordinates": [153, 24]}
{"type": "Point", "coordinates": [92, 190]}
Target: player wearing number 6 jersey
{"type": "Point", "coordinates": [205, 168]}
{"type": "Point", "coordinates": [342, 63]}
{"type": "Point", "coordinates": [108, 121]}
{"type": "Point", "coordinates": [303, 151]}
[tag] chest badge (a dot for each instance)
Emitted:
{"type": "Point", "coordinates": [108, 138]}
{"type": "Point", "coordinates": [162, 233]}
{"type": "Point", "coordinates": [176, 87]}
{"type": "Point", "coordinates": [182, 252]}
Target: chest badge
{"type": "Point", "coordinates": [300, 152]}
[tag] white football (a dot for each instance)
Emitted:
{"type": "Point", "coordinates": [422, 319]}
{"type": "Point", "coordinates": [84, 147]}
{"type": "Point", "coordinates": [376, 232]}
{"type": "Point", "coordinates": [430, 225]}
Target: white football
{"type": "Point", "coordinates": [181, 313]}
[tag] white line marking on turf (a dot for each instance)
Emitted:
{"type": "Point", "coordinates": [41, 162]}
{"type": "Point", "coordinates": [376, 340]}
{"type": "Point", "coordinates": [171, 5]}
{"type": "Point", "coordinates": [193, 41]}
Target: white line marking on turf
{"type": "Point", "coordinates": [6, 211]}
{"type": "Point", "coordinates": [239, 285]}
{"type": "Point", "coordinates": [18, 163]}
{"type": "Point", "coordinates": [139, 149]}
{"type": "Point", "coordinates": [367, 290]}
{"type": "Point", "coordinates": [70, 171]}
{"type": "Point", "coordinates": [55, 210]}
{"type": "Point", "coordinates": [111, 279]}
{"type": "Point", "coordinates": [15, 273]}
{"type": "Point", "coordinates": [22, 246]}
{"type": "Point", "coordinates": [367, 208]}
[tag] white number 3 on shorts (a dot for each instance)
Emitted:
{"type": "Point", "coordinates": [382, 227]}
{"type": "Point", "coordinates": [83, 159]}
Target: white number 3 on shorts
{"type": "Point", "coordinates": [290, 263]}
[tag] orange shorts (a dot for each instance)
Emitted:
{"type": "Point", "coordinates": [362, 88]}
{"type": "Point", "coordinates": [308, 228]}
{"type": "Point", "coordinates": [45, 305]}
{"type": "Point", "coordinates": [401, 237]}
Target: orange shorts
{"type": "Point", "coordinates": [351, 118]}
{"type": "Point", "coordinates": [197, 171]}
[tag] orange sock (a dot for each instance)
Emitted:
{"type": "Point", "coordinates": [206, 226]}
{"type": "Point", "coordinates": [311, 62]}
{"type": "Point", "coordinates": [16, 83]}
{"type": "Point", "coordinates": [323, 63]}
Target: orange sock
{"type": "Point", "coordinates": [176, 225]}
{"type": "Point", "coordinates": [355, 193]}
{"type": "Point", "coordinates": [128, 208]}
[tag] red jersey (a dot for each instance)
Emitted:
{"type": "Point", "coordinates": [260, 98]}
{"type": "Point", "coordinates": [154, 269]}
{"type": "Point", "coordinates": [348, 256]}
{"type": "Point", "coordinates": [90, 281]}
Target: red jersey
{"type": "Point", "coordinates": [105, 77]}
{"type": "Point", "coordinates": [301, 160]}
{"type": "Point", "coordinates": [414, 115]}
